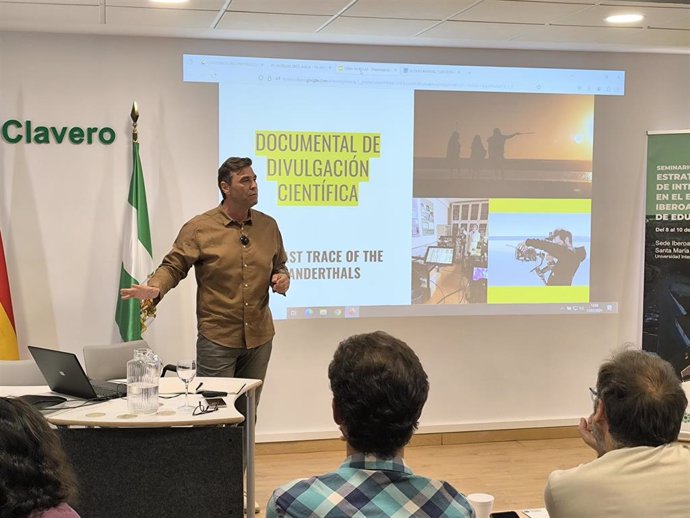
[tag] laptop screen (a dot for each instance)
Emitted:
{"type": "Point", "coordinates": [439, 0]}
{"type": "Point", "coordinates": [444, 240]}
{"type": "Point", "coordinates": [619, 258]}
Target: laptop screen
{"type": "Point", "coordinates": [63, 372]}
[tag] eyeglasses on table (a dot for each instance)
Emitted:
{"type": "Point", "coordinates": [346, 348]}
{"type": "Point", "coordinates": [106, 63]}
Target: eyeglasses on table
{"type": "Point", "coordinates": [201, 409]}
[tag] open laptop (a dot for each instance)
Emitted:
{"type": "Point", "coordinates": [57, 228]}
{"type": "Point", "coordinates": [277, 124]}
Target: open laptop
{"type": "Point", "coordinates": [65, 375]}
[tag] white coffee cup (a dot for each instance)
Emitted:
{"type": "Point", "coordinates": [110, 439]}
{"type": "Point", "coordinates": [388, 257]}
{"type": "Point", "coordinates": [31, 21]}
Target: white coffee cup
{"type": "Point", "coordinates": [481, 503]}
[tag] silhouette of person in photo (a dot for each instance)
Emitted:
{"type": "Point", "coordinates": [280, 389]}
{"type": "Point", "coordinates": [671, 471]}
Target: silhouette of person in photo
{"type": "Point", "coordinates": [453, 152]}
{"type": "Point", "coordinates": [497, 148]}
{"type": "Point", "coordinates": [477, 155]}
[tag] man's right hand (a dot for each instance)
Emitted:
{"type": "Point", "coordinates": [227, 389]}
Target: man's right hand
{"type": "Point", "coordinates": [585, 429]}
{"type": "Point", "coordinates": [138, 291]}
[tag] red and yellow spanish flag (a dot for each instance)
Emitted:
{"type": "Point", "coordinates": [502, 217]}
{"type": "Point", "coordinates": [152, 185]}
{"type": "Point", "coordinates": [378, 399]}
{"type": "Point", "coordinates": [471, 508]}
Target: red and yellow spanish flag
{"type": "Point", "coordinates": [8, 336]}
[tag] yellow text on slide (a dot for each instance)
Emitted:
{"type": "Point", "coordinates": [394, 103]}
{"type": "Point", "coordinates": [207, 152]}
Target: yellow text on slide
{"type": "Point", "coordinates": [317, 169]}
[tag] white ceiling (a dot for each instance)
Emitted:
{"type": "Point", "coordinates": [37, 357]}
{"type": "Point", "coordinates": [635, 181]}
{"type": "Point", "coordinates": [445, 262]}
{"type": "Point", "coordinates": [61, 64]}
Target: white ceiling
{"type": "Point", "coordinates": [552, 24]}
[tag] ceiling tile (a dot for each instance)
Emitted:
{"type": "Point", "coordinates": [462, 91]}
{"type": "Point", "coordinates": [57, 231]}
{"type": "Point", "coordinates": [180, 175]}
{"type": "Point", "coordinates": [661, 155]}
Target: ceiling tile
{"type": "Point", "coordinates": [474, 31]}
{"type": "Point", "coordinates": [580, 2]}
{"type": "Point", "coordinates": [271, 22]}
{"type": "Point", "coordinates": [668, 38]}
{"type": "Point", "coordinates": [379, 27]}
{"type": "Point", "coordinates": [634, 38]}
{"type": "Point", "coordinates": [510, 11]}
{"type": "Point", "coordinates": [318, 7]}
{"type": "Point", "coordinates": [182, 18]}
{"type": "Point", "coordinates": [551, 24]}
{"type": "Point", "coordinates": [56, 2]}
{"type": "Point", "coordinates": [41, 14]}
{"type": "Point", "coordinates": [203, 5]}
{"type": "Point", "coordinates": [411, 9]}
{"type": "Point", "coordinates": [595, 15]}
{"type": "Point", "coordinates": [672, 19]}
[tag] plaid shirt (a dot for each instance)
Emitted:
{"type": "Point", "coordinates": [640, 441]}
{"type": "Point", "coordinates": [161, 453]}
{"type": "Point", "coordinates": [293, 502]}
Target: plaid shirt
{"type": "Point", "coordinates": [367, 486]}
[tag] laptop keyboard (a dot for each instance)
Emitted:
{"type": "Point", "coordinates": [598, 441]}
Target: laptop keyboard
{"type": "Point", "coordinates": [110, 390]}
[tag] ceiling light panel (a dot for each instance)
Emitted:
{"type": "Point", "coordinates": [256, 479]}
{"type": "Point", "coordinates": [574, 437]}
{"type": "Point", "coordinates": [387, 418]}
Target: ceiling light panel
{"type": "Point", "coordinates": [625, 18]}
{"type": "Point", "coordinates": [595, 16]}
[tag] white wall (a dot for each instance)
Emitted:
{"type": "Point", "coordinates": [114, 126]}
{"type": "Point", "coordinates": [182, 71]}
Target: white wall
{"type": "Point", "coordinates": [62, 210]}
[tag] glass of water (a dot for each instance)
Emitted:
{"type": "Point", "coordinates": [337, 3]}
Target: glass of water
{"type": "Point", "coordinates": [186, 370]}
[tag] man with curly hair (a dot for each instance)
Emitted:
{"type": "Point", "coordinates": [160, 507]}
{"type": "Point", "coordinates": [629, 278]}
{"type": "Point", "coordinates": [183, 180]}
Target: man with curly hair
{"type": "Point", "coordinates": [36, 480]}
{"type": "Point", "coordinates": [379, 389]}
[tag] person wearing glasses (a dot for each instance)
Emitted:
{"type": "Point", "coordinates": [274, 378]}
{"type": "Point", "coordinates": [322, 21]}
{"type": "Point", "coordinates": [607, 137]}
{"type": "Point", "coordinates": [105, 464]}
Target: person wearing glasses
{"type": "Point", "coordinates": [641, 470]}
{"type": "Point", "coordinates": [379, 389]}
{"type": "Point", "coordinates": [238, 257]}
{"type": "Point", "coordinates": [37, 480]}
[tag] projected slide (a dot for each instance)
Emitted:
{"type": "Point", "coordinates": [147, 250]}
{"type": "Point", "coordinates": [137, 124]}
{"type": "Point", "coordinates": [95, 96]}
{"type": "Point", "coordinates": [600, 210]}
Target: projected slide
{"type": "Point", "coordinates": [408, 189]}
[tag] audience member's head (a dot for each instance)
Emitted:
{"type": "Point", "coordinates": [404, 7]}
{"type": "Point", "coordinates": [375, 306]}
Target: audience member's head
{"type": "Point", "coordinates": [643, 400]}
{"type": "Point", "coordinates": [34, 472]}
{"type": "Point", "coordinates": [379, 389]}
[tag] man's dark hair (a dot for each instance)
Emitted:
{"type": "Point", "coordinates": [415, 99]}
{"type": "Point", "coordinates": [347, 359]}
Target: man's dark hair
{"type": "Point", "coordinates": [379, 389]}
{"type": "Point", "coordinates": [230, 166]}
{"type": "Point", "coordinates": [34, 472]}
{"type": "Point", "coordinates": [565, 235]}
{"type": "Point", "coordinates": [643, 399]}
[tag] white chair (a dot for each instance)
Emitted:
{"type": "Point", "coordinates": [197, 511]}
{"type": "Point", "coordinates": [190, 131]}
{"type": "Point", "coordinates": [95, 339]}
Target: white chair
{"type": "Point", "coordinates": [105, 362]}
{"type": "Point", "coordinates": [20, 372]}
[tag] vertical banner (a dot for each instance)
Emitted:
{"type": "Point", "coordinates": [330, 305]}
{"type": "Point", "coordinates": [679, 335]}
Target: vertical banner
{"type": "Point", "coordinates": [666, 317]}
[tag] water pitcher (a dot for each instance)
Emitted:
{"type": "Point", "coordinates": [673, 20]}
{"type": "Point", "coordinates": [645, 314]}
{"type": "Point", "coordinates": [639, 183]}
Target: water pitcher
{"type": "Point", "coordinates": [143, 375]}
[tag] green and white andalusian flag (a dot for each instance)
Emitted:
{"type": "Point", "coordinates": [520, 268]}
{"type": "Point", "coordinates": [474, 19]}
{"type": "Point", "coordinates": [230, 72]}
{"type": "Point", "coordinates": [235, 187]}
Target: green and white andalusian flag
{"type": "Point", "coordinates": [137, 256]}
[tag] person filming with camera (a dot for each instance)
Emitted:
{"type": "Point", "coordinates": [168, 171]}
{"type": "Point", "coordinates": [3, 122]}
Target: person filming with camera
{"type": "Point", "coordinates": [563, 259]}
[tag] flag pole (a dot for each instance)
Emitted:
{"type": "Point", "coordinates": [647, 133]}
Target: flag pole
{"type": "Point", "coordinates": [133, 316]}
{"type": "Point", "coordinates": [147, 309]}
{"type": "Point", "coordinates": [134, 115]}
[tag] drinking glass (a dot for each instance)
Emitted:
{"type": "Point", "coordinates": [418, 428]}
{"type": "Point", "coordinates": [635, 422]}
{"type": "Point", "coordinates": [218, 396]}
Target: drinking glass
{"type": "Point", "coordinates": [186, 370]}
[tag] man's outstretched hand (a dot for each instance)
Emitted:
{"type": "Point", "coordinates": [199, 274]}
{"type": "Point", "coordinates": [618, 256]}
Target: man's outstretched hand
{"type": "Point", "coordinates": [137, 291]}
